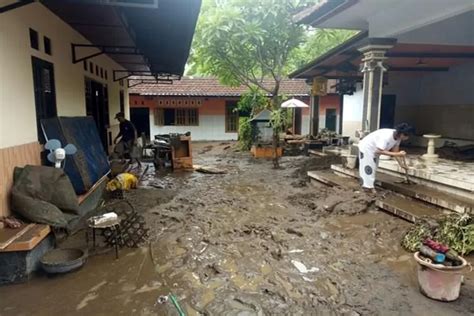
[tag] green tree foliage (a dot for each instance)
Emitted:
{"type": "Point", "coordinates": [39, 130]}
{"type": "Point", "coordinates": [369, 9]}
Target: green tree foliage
{"type": "Point", "coordinates": [316, 43]}
{"type": "Point", "coordinates": [246, 133]}
{"type": "Point", "coordinates": [245, 41]}
{"type": "Point", "coordinates": [252, 102]}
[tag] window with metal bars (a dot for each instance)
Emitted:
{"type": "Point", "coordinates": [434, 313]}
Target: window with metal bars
{"type": "Point", "coordinates": [176, 117]}
{"type": "Point", "coordinates": [231, 117]}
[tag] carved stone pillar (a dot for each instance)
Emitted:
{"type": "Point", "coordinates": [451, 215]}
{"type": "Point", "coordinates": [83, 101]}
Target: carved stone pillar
{"type": "Point", "coordinates": [373, 68]}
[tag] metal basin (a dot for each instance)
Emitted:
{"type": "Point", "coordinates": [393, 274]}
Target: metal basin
{"type": "Point", "coordinates": [63, 260]}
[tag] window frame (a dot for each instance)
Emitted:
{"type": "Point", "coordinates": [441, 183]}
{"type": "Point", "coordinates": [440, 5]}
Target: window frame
{"type": "Point", "coordinates": [230, 112]}
{"type": "Point", "coordinates": [182, 116]}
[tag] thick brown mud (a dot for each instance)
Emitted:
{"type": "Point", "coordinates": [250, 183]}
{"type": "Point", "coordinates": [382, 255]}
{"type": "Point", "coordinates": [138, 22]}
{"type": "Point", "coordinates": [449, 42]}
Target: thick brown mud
{"type": "Point", "coordinates": [253, 241]}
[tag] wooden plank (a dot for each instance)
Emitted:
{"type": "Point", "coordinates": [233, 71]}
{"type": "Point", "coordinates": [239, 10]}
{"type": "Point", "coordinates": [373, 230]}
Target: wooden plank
{"type": "Point", "coordinates": [30, 239]}
{"type": "Point", "coordinates": [84, 196]}
{"type": "Point", "coordinates": [18, 233]}
{"type": "Point", "coordinates": [11, 157]}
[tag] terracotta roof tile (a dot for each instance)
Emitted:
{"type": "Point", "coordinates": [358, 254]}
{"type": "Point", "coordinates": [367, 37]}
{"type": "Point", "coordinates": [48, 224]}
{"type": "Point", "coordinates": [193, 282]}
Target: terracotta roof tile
{"type": "Point", "coordinates": [212, 87]}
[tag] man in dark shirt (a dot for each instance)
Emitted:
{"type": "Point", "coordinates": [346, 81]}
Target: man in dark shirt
{"type": "Point", "coordinates": [127, 134]}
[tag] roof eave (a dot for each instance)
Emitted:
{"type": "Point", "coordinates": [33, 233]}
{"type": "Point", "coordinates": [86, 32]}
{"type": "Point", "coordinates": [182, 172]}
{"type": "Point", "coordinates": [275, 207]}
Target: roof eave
{"type": "Point", "coordinates": [323, 11]}
{"type": "Point", "coordinates": [298, 74]}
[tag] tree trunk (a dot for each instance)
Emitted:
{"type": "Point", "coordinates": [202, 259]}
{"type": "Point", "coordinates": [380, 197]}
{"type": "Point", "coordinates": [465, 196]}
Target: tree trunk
{"type": "Point", "coordinates": [276, 129]}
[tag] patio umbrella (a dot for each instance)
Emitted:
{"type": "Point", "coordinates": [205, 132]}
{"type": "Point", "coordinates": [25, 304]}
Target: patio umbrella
{"type": "Point", "coordinates": [294, 103]}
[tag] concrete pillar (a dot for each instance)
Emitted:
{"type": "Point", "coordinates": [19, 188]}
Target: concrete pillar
{"type": "Point", "coordinates": [314, 116]}
{"type": "Point", "coordinates": [372, 67]}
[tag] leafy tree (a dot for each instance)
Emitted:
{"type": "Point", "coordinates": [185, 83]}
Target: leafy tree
{"type": "Point", "coordinates": [250, 103]}
{"type": "Point", "coordinates": [245, 41]}
{"type": "Point", "coordinates": [316, 43]}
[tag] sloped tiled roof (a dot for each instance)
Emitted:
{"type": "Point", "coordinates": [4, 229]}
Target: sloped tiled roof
{"type": "Point", "coordinates": [211, 87]}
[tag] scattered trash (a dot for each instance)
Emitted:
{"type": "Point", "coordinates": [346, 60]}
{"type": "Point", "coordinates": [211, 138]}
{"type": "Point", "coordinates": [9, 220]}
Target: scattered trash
{"type": "Point", "coordinates": [162, 299]}
{"type": "Point", "coordinates": [296, 251]}
{"type": "Point", "coordinates": [323, 235]}
{"type": "Point", "coordinates": [302, 268]}
{"type": "Point", "coordinates": [10, 222]}
{"type": "Point", "coordinates": [456, 231]}
{"type": "Point", "coordinates": [124, 181]}
{"type": "Point", "coordinates": [100, 219]}
{"type": "Point", "coordinates": [210, 170]}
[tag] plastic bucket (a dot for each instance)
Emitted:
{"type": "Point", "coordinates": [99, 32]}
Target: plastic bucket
{"type": "Point", "coordinates": [440, 282]}
{"type": "Point", "coordinates": [349, 161]}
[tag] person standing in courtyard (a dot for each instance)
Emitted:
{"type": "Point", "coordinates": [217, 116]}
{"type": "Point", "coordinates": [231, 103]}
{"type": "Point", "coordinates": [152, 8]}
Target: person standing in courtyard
{"type": "Point", "coordinates": [127, 134]}
{"type": "Point", "coordinates": [384, 141]}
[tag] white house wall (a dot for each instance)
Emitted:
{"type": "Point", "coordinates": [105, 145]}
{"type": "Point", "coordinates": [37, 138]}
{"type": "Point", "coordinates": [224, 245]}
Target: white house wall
{"type": "Point", "coordinates": [211, 127]}
{"type": "Point", "coordinates": [434, 102]}
{"type": "Point", "coordinates": [17, 103]}
{"type": "Point", "coordinates": [352, 113]}
{"type": "Point", "coordinates": [443, 102]}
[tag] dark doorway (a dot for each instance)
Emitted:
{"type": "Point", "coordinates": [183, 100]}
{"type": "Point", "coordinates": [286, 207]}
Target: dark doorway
{"type": "Point", "coordinates": [97, 106]}
{"type": "Point", "coordinates": [387, 111]}
{"type": "Point", "coordinates": [45, 93]}
{"type": "Point", "coordinates": [297, 118]}
{"type": "Point", "coordinates": [140, 117]}
{"type": "Point", "coordinates": [331, 119]}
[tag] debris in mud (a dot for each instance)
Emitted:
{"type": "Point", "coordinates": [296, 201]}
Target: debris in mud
{"type": "Point", "coordinates": [327, 201]}
{"type": "Point", "coordinates": [455, 230]}
{"type": "Point", "coordinates": [210, 170]}
{"type": "Point", "coordinates": [302, 268]}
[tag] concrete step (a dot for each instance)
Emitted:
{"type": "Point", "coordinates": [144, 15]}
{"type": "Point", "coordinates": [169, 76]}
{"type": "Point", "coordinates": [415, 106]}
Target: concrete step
{"type": "Point", "coordinates": [331, 179]}
{"type": "Point", "coordinates": [401, 206]}
{"type": "Point", "coordinates": [421, 192]}
{"type": "Point", "coordinates": [318, 153]}
{"type": "Point", "coordinates": [407, 208]}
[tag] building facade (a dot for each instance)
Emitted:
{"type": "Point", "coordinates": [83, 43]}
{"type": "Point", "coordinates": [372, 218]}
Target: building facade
{"type": "Point", "coordinates": [61, 58]}
{"type": "Point", "coordinates": [411, 62]}
{"type": "Point", "coordinates": [207, 108]}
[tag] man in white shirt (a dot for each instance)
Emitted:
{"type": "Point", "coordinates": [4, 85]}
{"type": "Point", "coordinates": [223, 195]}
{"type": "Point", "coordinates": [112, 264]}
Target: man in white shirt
{"type": "Point", "coordinates": [385, 141]}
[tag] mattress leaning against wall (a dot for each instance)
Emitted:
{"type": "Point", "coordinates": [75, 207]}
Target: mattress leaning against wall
{"type": "Point", "coordinates": [90, 163]}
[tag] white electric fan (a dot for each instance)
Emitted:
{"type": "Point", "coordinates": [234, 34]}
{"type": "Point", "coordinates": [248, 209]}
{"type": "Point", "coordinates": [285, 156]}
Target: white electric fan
{"type": "Point", "coordinates": [58, 154]}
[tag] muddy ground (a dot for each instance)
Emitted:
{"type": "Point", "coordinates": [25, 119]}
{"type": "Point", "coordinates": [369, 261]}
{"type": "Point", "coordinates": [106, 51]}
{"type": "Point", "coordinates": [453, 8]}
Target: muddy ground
{"type": "Point", "coordinates": [253, 241]}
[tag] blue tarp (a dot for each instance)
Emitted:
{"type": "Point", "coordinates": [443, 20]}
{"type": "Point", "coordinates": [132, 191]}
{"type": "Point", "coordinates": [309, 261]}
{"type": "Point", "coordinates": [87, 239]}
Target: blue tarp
{"type": "Point", "coordinates": [90, 163]}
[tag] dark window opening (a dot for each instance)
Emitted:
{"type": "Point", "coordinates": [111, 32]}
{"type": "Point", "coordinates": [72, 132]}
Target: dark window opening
{"type": "Point", "coordinates": [84, 65]}
{"type": "Point", "coordinates": [176, 117]}
{"type": "Point", "coordinates": [231, 117]}
{"type": "Point", "coordinates": [91, 68]}
{"type": "Point", "coordinates": [105, 74]}
{"type": "Point", "coordinates": [122, 101]}
{"type": "Point", "coordinates": [45, 94]}
{"type": "Point", "coordinates": [169, 116]}
{"type": "Point", "coordinates": [96, 70]}
{"type": "Point", "coordinates": [34, 40]}
{"type": "Point", "coordinates": [47, 45]}
{"type": "Point", "coordinates": [97, 106]}
{"type": "Point", "coordinates": [102, 72]}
